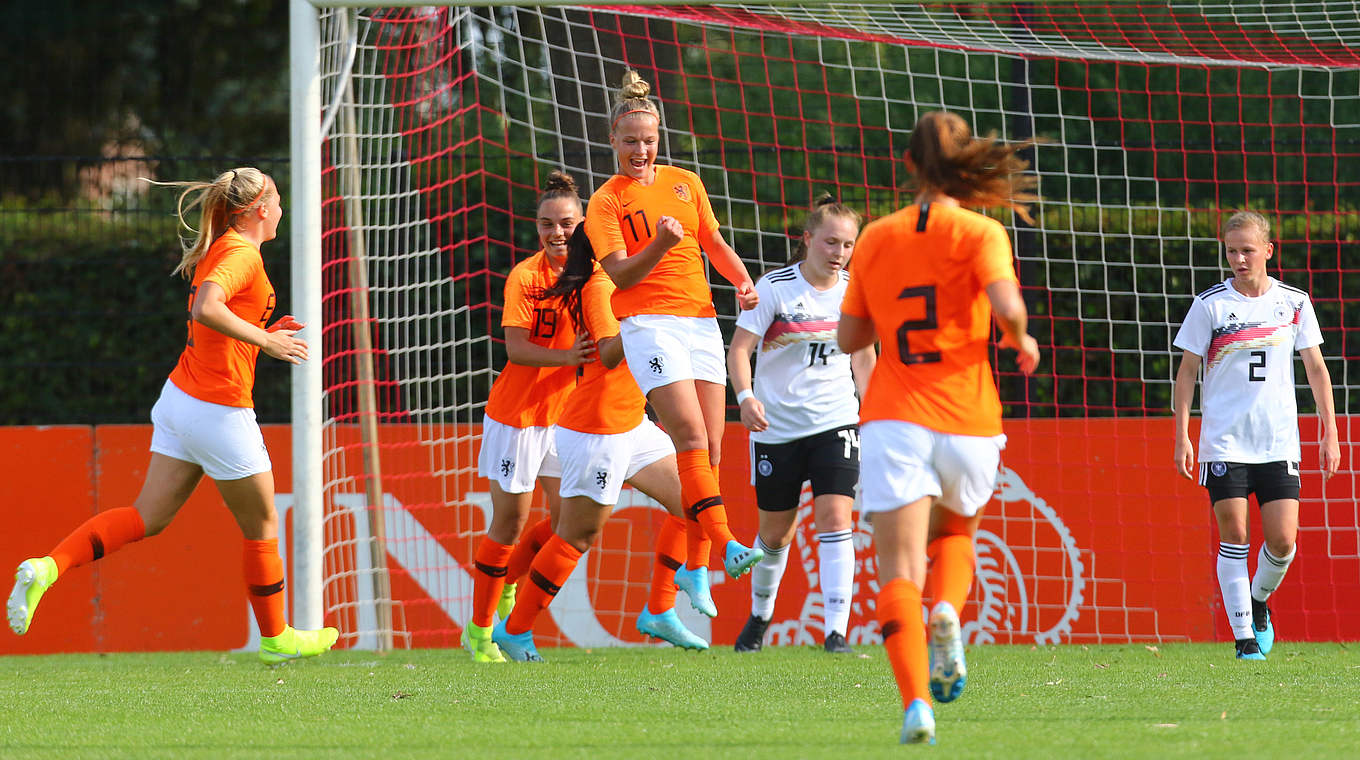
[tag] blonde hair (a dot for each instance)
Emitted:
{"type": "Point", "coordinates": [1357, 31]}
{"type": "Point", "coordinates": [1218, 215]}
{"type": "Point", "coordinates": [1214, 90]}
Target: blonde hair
{"type": "Point", "coordinates": [631, 99]}
{"type": "Point", "coordinates": [824, 207]}
{"type": "Point", "coordinates": [232, 193]}
{"type": "Point", "coordinates": [977, 171]}
{"type": "Point", "coordinates": [1244, 219]}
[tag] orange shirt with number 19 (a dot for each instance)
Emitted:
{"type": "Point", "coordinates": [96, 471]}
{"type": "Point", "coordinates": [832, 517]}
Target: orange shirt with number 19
{"type": "Point", "coordinates": [921, 276]}
{"type": "Point", "coordinates": [525, 396]}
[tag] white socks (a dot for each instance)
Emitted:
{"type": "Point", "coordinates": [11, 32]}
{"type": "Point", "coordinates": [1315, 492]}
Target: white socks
{"type": "Point", "coordinates": [765, 578]}
{"type": "Point", "coordinates": [836, 560]}
{"type": "Point", "coordinates": [1236, 588]}
{"type": "Point", "coordinates": [1270, 571]}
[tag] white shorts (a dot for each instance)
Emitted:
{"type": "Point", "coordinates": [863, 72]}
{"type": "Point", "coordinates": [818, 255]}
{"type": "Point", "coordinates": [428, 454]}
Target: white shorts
{"type": "Point", "coordinates": [516, 457]}
{"type": "Point", "coordinates": [224, 440]}
{"type": "Point", "coordinates": [901, 462]}
{"type": "Point", "coordinates": [596, 466]}
{"type": "Point", "coordinates": [662, 349]}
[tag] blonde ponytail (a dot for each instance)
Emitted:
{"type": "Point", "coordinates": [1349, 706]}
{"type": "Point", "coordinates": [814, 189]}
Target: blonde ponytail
{"type": "Point", "coordinates": [231, 194]}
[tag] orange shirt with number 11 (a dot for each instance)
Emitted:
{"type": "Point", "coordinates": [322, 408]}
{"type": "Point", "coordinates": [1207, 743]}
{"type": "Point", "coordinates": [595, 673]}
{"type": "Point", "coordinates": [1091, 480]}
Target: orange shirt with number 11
{"type": "Point", "coordinates": [921, 276]}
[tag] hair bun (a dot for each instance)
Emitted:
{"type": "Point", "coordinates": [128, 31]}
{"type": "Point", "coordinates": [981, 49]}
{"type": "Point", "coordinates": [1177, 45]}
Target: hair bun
{"type": "Point", "coordinates": [824, 199]}
{"type": "Point", "coordinates": [560, 181]}
{"type": "Point", "coordinates": [633, 86]}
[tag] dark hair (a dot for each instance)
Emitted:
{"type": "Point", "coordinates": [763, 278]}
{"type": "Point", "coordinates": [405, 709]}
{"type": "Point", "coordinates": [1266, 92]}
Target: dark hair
{"type": "Point", "coordinates": [824, 206]}
{"type": "Point", "coordinates": [576, 272]}
{"type": "Point", "coordinates": [978, 171]}
{"type": "Point", "coordinates": [559, 185]}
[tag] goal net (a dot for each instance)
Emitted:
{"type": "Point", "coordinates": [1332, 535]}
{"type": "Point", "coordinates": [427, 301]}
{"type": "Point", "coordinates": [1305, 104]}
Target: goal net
{"type": "Point", "coordinates": [439, 124]}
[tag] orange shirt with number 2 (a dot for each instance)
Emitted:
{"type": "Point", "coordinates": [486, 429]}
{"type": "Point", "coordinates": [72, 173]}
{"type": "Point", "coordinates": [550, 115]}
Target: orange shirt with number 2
{"type": "Point", "coordinates": [920, 275]}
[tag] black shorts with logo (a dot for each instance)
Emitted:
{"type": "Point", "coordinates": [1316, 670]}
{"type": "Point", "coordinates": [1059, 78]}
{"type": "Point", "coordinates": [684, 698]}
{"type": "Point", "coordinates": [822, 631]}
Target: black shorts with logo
{"type": "Point", "coordinates": [829, 459]}
{"type": "Point", "coordinates": [1270, 481]}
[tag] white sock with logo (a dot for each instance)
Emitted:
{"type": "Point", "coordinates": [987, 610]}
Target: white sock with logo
{"type": "Point", "coordinates": [836, 570]}
{"type": "Point", "coordinates": [765, 578]}
{"type": "Point", "coordinates": [1270, 572]}
{"type": "Point", "coordinates": [1236, 588]}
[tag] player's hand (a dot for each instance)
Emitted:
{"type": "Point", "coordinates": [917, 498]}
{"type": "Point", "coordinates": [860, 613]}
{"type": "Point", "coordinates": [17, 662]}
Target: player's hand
{"type": "Point", "coordinates": [669, 231]}
{"type": "Point", "coordinates": [281, 344]}
{"type": "Point", "coordinates": [1028, 352]}
{"type": "Point", "coordinates": [1331, 456]}
{"type": "Point", "coordinates": [753, 415]}
{"type": "Point", "coordinates": [286, 322]}
{"type": "Point", "coordinates": [1185, 457]}
{"type": "Point", "coordinates": [747, 297]}
{"type": "Point", "coordinates": [582, 351]}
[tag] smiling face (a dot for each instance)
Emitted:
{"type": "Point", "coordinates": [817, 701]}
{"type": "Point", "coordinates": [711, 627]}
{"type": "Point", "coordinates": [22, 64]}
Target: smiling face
{"type": "Point", "coordinates": [1247, 251]}
{"type": "Point", "coordinates": [829, 247]}
{"type": "Point", "coordinates": [557, 219]}
{"type": "Point", "coordinates": [634, 140]}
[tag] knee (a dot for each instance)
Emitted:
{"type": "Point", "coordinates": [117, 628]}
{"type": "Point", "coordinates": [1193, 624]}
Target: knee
{"type": "Point", "coordinates": [582, 538]}
{"type": "Point", "coordinates": [154, 525]}
{"type": "Point", "coordinates": [1281, 547]}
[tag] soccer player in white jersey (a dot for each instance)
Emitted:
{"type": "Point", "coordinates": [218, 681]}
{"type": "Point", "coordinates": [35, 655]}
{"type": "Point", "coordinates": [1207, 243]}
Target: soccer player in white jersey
{"type": "Point", "coordinates": [804, 417]}
{"type": "Point", "coordinates": [1244, 332]}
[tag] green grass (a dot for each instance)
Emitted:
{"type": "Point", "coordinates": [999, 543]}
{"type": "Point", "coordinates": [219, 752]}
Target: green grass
{"type": "Point", "coordinates": [1022, 702]}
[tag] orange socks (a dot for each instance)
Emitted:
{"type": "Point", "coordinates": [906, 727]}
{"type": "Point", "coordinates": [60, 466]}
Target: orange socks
{"type": "Point", "coordinates": [264, 585]}
{"type": "Point", "coordinates": [951, 570]}
{"type": "Point", "coordinates": [488, 578]}
{"type": "Point", "coordinates": [105, 533]}
{"type": "Point", "coordinates": [670, 556]}
{"type": "Point", "coordinates": [904, 638]}
{"type": "Point", "coordinates": [533, 539]}
{"type": "Point", "coordinates": [699, 492]}
{"type": "Point", "coordinates": [550, 570]}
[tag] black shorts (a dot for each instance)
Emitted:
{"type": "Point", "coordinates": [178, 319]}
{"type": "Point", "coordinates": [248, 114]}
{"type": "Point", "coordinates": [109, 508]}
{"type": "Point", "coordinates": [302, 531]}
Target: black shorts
{"type": "Point", "coordinates": [1270, 481]}
{"type": "Point", "coordinates": [829, 459]}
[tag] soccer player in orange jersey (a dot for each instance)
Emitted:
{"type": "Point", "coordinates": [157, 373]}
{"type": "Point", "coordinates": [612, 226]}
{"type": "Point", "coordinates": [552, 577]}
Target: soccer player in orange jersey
{"type": "Point", "coordinates": [543, 352]}
{"type": "Point", "coordinates": [928, 282]}
{"type": "Point", "coordinates": [204, 421]}
{"type": "Point", "coordinates": [604, 440]}
{"type": "Point", "coordinates": [648, 224]}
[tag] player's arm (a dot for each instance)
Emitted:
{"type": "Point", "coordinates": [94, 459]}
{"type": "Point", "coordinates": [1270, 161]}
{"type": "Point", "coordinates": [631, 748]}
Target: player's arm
{"type": "Point", "coordinates": [526, 353]}
{"type": "Point", "coordinates": [1320, 381]}
{"type": "Point", "coordinates": [854, 333]}
{"type": "Point", "coordinates": [210, 310]}
{"type": "Point", "coordinates": [1181, 395]}
{"type": "Point", "coordinates": [611, 351]}
{"type": "Point", "coordinates": [627, 271]}
{"type": "Point", "coordinates": [732, 268]}
{"type": "Point", "coordinates": [862, 364]}
{"type": "Point", "coordinates": [1008, 309]}
{"type": "Point", "coordinates": [739, 370]}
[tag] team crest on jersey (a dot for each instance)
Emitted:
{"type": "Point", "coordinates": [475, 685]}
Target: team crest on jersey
{"type": "Point", "coordinates": [1282, 312]}
{"type": "Point", "coordinates": [1219, 469]}
{"type": "Point", "coordinates": [682, 192]}
{"type": "Point", "coordinates": [655, 365]}
{"type": "Point", "coordinates": [601, 478]}
{"type": "Point", "coordinates": [764, 467]}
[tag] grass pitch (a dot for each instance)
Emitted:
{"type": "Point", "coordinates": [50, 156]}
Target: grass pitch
{"type": "Point", "coordinates": [1021, 702]}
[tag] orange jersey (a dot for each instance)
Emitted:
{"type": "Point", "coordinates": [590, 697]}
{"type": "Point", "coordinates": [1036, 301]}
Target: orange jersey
{"type": "Point", "coordinates": [214, 367]}
{"type": "Point", "coordinates": [920, 275]}
{"type": "Point", "coordinates": [622, 216]}
{"type": "Point", "coordinates": [606, 401]}
{"type": "Point", "coordinates": [533, 396]}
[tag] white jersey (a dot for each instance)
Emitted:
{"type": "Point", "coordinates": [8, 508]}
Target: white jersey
{"type": "Point", "coordinates": [801, 377]}
{"type": "Point", "coordinates": [1247, 408]}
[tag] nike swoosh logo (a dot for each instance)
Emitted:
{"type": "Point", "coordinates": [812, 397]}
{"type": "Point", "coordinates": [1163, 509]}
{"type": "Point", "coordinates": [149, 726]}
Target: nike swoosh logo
{"type": "Point", "coordinates": [626, 204]}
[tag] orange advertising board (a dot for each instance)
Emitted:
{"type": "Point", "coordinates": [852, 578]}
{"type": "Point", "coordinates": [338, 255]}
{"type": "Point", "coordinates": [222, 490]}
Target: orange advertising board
{"type": "Point", "coordinates": [1091, 537]}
